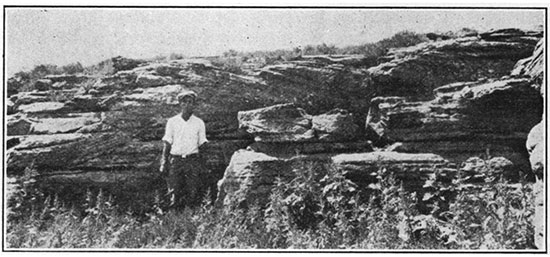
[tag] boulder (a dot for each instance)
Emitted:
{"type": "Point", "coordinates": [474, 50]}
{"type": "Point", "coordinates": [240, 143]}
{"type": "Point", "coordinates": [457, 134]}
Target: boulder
{"type": "Point", "coordinates": [536, 147]}
{"type": "Point", "coordinates": [533, 68]}
{"type": "Point", "coordinates": [417, 70]}
{"type": "Point", "coordinates": [278, 123]}
{"type": "Point", "coordinates": [335, 125]}
{"type": "Point", "coordinates": [250, 175]}
{"type": "Point", "coordinates": [288, 123]}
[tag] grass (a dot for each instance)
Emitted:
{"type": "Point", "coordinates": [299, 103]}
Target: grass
{"type": "Point", "coordinates": [231, 61]}
{"type": "Point", "coordinates": [306, 213]}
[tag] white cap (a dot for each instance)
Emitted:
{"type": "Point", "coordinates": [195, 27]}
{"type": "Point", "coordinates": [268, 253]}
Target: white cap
{"type": "Point", "coordinates": [187, 93]}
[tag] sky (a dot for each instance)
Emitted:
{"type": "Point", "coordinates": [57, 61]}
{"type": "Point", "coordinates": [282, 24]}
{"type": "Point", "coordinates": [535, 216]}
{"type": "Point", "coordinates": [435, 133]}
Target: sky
{"type": "Point", "coordinates": [89, 35]}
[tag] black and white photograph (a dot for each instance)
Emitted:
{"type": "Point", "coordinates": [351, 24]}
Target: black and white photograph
{"type": "Point", "coordinates": [275, 129]}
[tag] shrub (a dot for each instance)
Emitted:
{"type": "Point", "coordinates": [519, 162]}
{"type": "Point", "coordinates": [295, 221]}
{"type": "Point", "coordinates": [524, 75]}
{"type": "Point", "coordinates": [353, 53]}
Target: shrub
{"type": "Point", "coordinates": [104, 67]}
{"type": "Point", "coordinates": [320, 208]}
{"type": "Point", "coordinates": [120, 63]}
{"type": "Point", "coordinates": [72, 68]}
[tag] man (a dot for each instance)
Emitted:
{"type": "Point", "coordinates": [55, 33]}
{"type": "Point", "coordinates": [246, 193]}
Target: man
{"type": "Point", "coordinates": [184, 136]}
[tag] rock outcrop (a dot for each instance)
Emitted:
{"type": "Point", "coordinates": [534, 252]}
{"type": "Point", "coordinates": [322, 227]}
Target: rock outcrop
{"type": "Point", "coordinates": [465, 119]}
{"type": "Point", "coordinates": [484, 113]}
{"type": "Point", "coordinates": [287, 140]}
{"type": "Point", "coordinates": [535, 147]}
{"type": "Point", "coordinates": [417, 70]}
{"type": "Point", "coordinates": [251, 175]}
{"type": "Point", "coordinates": [278, 123]}
{"type": "Point", "coordinates": [114, 123]}
{"type": "Point", "coordinates": [440, 102]}
{"type": "Point", "coordinates": [533, 68]}
{"type": "Point", "coordinates": [288, 130]}
{"type": "Point", "coordinates": [288, 123]}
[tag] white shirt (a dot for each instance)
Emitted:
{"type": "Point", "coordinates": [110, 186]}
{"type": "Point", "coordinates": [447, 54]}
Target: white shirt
{"type": "Point", "coordinates": [185, 137]}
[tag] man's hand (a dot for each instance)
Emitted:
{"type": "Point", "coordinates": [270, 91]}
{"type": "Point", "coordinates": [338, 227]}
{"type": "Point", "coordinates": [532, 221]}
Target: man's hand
{"type": "Point", "coordinates": [163, 167]}
{"type": "Point", "coordinates": [165, 157]}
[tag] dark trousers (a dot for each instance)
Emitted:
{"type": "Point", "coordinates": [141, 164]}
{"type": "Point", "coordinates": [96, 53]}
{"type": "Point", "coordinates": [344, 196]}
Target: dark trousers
{"type": "Point", "coordinates": [184, 180]}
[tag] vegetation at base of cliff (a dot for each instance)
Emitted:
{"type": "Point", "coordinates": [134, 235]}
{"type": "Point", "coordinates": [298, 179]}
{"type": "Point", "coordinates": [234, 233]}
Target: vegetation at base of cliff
{"type": "Point", "coordinates": [306, 213]}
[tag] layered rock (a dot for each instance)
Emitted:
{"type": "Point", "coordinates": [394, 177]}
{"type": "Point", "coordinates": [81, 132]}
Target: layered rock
{"type": "Point", "coordinates": [335, 125]}
{"type": "Point", "coordinates": [466, 119]}
{"type": "Point", "coordinates": [417, 70]}
{"type": "Point", "coordinates": [319, 84]}
{"type": "Point", "coordinates": [278, 123]}
{"type": "Point", "coordinates": [482, 113]}
{"type": "Point", "coordinates": [42, 84]}
{"type": "Point", "coordinates": [535, 146]}
{"type": "Point", "coordinates": [250, 175]}
{"type": "Point", "coordinates": [113, 124]}
{"type": "Point", "coordinates": [105, 131]}
{"type": "Point", "coordinates": [70, 79]}
{"type": "Point", "coordinates": [103, 157]}
{"type": "Point", "coordinates": [532, 68]}
{"type": "Point", "coordinates": [287, 140]}
{"type": "Point", "coordinates": [285, 129]}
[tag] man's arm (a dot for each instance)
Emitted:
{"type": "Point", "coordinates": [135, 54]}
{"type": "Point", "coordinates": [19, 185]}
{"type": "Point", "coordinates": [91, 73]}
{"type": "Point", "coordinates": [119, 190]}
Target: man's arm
{"type": "Point", "coordinates": [167, 140]}
{"type": "Point", "coordinates": [165, 156]}
{"type": "Point", "coordinates": [202, 137]}
{"type": "Point", "coordinates": [202, 147]}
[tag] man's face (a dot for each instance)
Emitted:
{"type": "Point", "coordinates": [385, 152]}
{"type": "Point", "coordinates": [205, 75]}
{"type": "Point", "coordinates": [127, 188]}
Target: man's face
{"type": "Point", "coordinates": [187, 104]}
